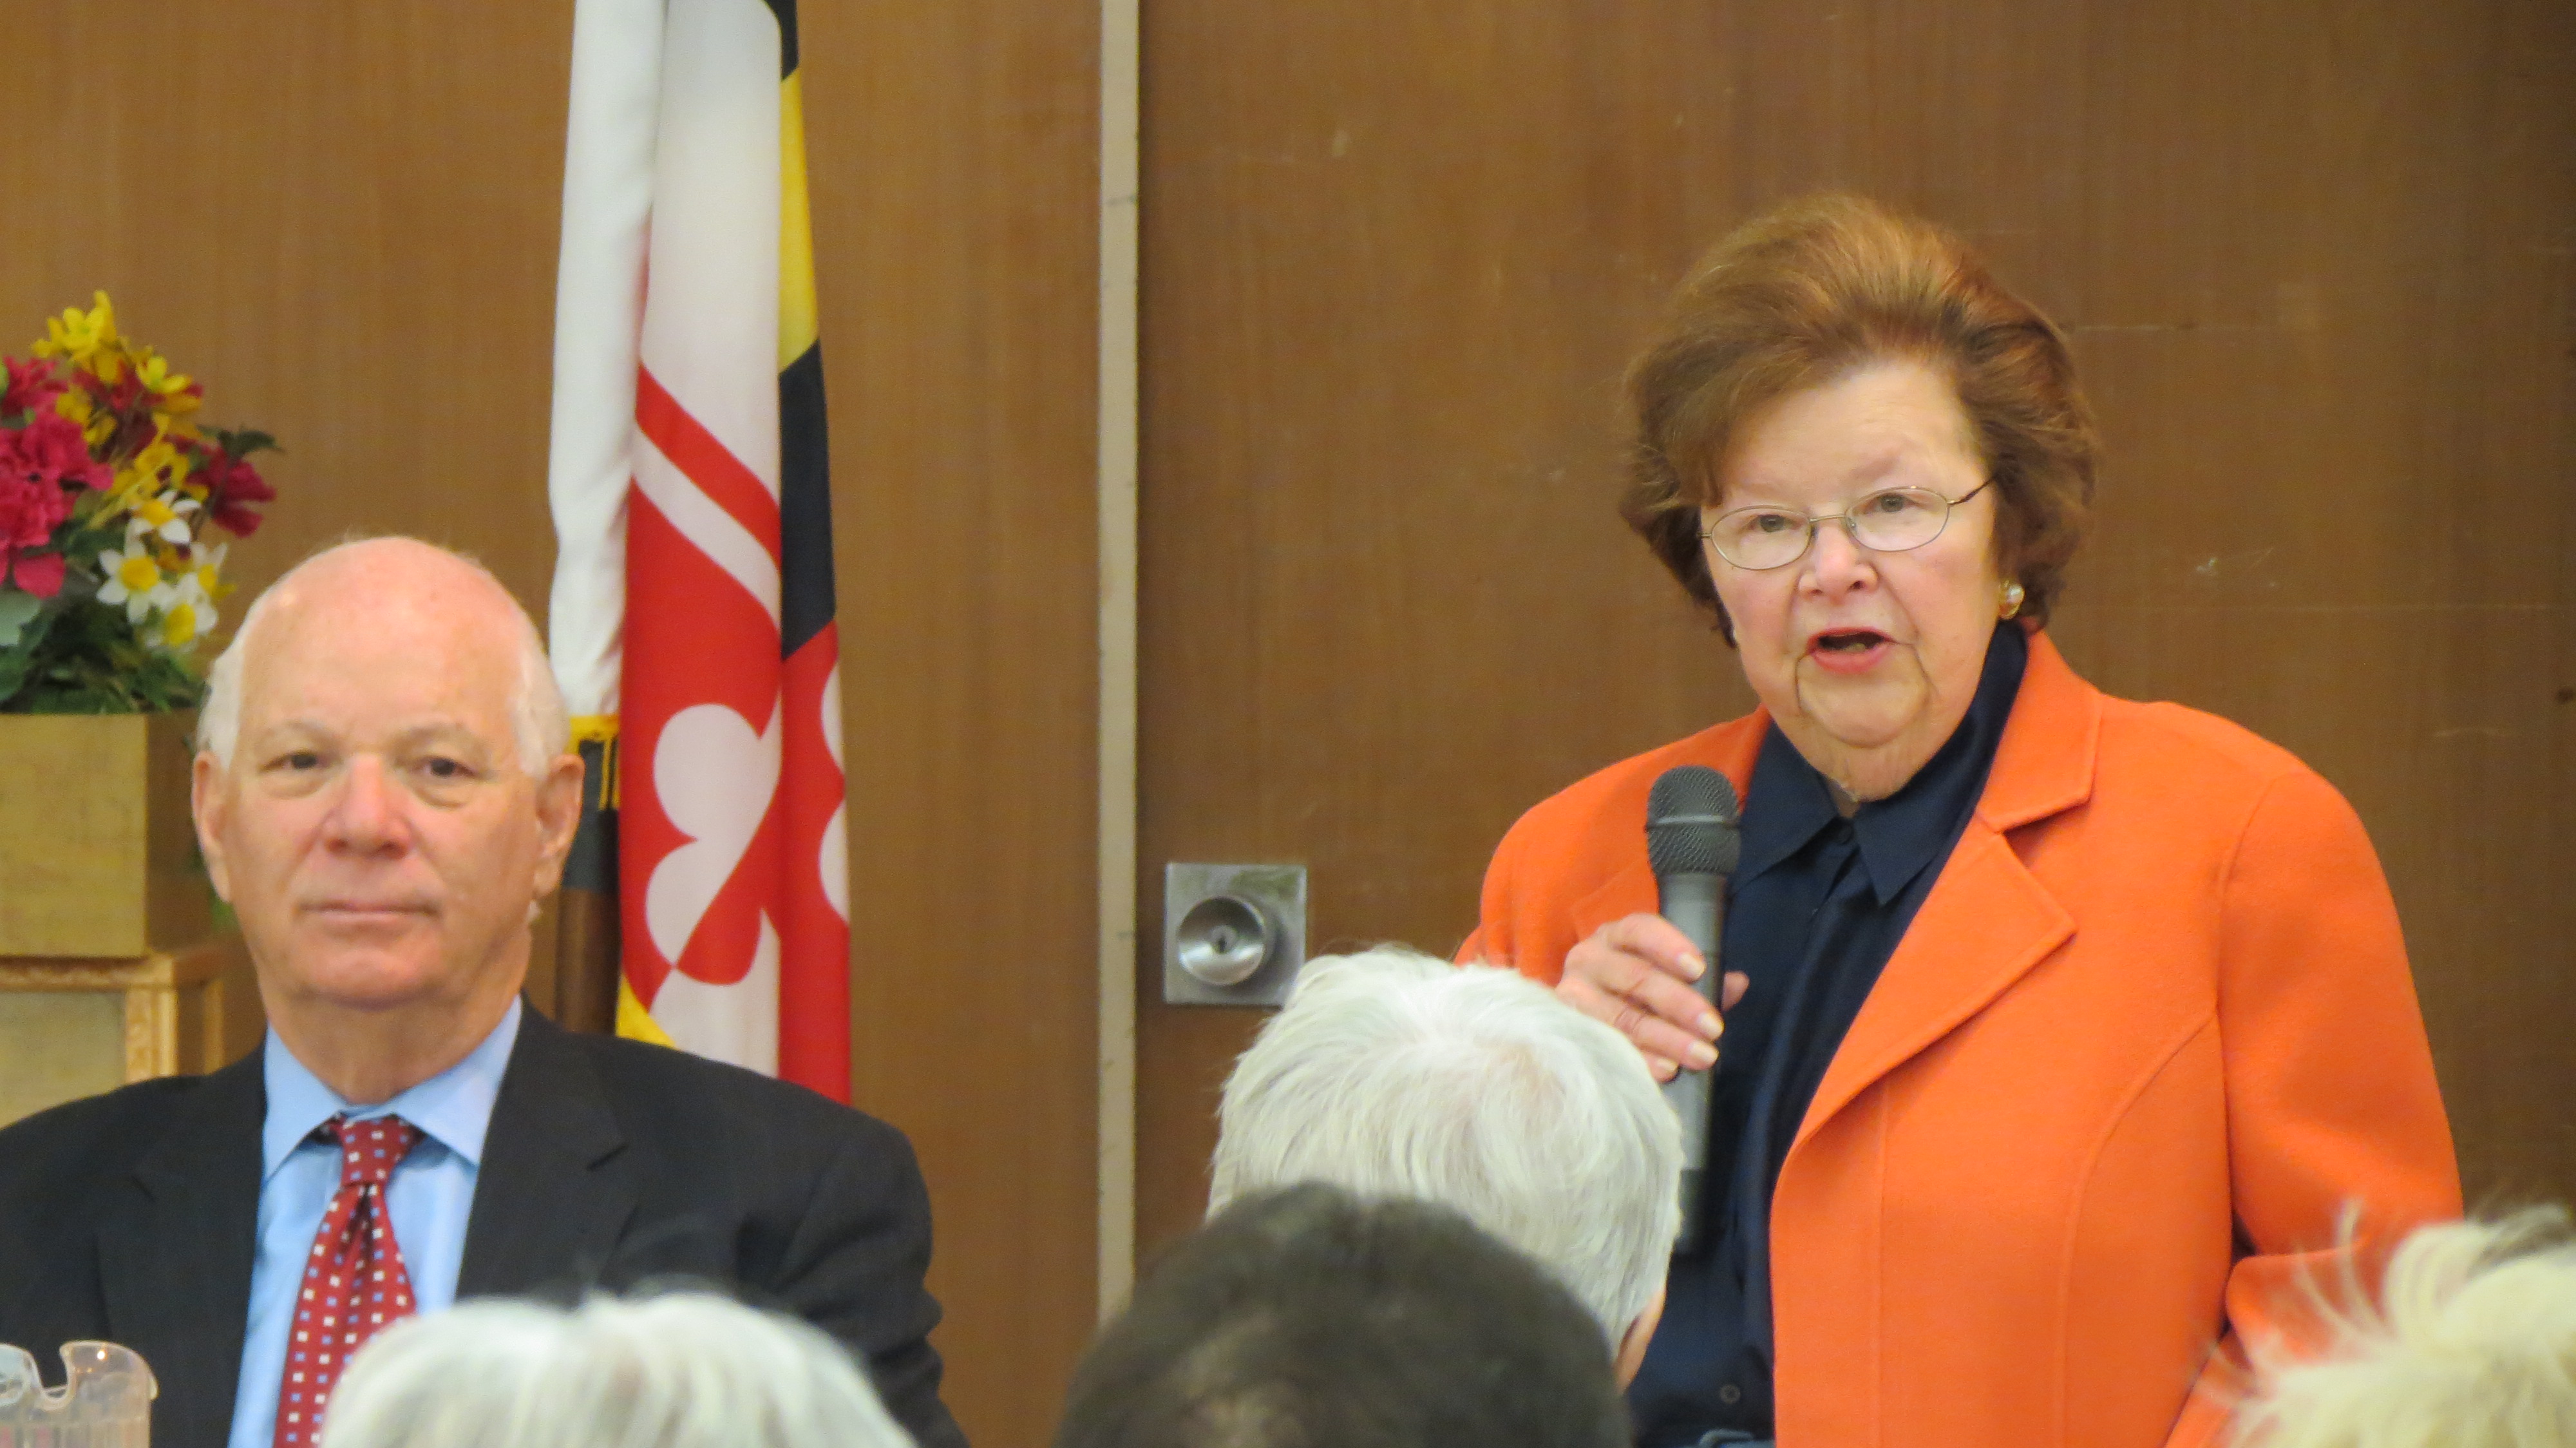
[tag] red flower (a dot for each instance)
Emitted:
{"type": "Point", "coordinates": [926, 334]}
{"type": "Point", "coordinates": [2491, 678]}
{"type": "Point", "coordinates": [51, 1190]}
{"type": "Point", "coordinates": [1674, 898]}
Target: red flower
{"type": "Point", "coordinates": [40, 466]}
{"type": "Point", "coordinates": [30, 509]}
{"type": "Point", "coordinates": [38, 573]}
{"type": "Point", "coordinates": [51, 450]}
{"type": "Point", "coordinates": [232, 485]}
{"type": "Point", "coordinates": [32, 387]}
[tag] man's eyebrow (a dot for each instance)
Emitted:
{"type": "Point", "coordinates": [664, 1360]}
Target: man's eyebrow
{"type": "Point", "coordinates": [439, 731]}
{"type": "Point", "coordinates": [434, 732]}
{"type": "Point", "coordinates": [292, 727]}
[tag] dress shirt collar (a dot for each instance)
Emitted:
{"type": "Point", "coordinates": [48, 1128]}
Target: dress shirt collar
{"type": "Point", "coordinates": [452, 1108]}
{"type": "Point", "coordinates": [1787, 803]}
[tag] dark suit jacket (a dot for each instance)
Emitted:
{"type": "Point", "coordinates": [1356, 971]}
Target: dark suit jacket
{"type": "Point", "coordinates": [133, 1216]}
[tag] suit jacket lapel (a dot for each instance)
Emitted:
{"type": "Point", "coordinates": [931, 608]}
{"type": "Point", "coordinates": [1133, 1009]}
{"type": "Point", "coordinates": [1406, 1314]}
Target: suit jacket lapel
{"type": "Point", "coordinates": [175, 1256]}
{"type": "Point", "coordinates": [1987, 920]}
{"type": "Point", "coordinates": [1630, 889]}
{"type": "Point", "coordinates": [552, 1194]}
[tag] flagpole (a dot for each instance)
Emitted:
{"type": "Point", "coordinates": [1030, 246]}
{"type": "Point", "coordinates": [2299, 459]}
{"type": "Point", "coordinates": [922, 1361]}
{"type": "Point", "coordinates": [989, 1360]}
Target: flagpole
{"type": "Point", "coordinates": [608, 192]}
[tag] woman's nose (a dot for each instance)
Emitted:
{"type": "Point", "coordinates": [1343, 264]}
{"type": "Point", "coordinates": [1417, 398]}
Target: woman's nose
{"type": "Point", "coordinates": [1835, 561]}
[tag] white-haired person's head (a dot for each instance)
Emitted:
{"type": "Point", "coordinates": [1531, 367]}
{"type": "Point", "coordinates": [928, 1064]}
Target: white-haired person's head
{"type": "Point", "coordinates": [1392, 1073]}
{"type": "Point", "coordinates": [2472, 1345]}
{"type": "Point", "coordinates": [540, 725]}
{"type": "Point", "coordinates": [674, 1370]}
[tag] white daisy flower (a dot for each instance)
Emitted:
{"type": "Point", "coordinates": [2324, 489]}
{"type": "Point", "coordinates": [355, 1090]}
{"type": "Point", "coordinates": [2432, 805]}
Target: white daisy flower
{"type": "Point", "coordinates": [133, 579]}
{"type": "Point", "coordinates": [164, 517]}
{"type": "Point", "coordinates": [206, 563]}
{"type": "Point", "coordinates": [185, 619]}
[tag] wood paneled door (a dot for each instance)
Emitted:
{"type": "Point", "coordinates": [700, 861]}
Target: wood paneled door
{"type": "Point", "coordinates": [2316, 262]}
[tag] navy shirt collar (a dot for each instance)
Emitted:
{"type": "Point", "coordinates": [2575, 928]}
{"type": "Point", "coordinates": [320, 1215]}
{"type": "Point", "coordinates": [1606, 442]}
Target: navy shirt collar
{"type": "Point", "coordinates": [1787, 803]}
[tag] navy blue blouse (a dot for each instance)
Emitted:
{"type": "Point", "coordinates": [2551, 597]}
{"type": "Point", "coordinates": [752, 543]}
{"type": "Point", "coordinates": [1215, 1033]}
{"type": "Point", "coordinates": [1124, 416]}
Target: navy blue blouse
{"type": "Point", "coordinates": [1816, 907]}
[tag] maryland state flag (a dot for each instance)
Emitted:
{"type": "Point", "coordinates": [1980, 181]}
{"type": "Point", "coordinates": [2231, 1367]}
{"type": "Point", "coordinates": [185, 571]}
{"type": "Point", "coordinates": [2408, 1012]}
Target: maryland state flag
{"type": "Point", "coordinates": [691, 620]}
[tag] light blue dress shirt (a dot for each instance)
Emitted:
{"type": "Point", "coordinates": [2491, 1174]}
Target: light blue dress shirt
{"type": "Point", "coordinates": [429, 1198]}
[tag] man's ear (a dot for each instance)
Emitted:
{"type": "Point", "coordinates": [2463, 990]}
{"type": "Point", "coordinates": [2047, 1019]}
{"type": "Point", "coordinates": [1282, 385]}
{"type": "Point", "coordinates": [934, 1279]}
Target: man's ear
{"type": "Point", "coordinates": [558, 817]}
{"type": "Point", "coordinates": [206, 805]}
{"type": "Point", "coordinates": [1632, 1344]}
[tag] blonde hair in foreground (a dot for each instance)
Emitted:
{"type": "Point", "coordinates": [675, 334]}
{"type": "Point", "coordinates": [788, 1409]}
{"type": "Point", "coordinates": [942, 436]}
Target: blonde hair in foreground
{"type": "Point", "coordinates": [679, 1370]}
{"type": "Point", "coordinates": [2474, 1348]}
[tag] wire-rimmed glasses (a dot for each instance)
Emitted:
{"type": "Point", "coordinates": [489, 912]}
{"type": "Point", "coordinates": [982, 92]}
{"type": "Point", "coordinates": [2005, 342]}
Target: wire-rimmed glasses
{"type": "Point", "coordinates": [1890, 520]}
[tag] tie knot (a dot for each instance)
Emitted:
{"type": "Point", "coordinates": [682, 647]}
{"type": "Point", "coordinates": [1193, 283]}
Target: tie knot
{"type": "Point", "coordinates": [370, 1149]}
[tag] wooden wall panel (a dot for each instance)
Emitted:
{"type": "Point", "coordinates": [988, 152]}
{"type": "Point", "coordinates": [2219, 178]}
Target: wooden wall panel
{"type": "Point", "coordinates": [344, 219]}
{"type": "Point", "coordinates": [340, 219]}
{"type": "Point", "coordinates": [1394, 260]}
{"type": "Point", "coordinates": [2319, 265]}
{"type": "Point", "coordinates": [952, 153]}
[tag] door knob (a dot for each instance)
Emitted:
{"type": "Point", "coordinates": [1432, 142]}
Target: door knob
{"type": "Point", "coordinates": [1233, 935]}
{"type": "Point", "coordinates": [1224, 939]}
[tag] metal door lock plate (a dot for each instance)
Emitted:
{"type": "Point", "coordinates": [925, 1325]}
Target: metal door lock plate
{"type": "Point", "coordinates": [1233, 935]}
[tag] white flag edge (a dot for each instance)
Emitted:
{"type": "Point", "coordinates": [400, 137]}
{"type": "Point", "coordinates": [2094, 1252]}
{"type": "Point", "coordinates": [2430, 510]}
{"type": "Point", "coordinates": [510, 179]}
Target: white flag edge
{"type": "Point", "coordinates": [609, 149]}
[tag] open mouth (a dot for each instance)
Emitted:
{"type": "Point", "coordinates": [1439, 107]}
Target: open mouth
{"type": "Point", "coordinates": [1848, 650]}
{"type": "Point", "coordinates": [1847, 641]}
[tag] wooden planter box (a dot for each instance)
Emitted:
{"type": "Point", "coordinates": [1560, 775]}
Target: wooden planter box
{"type": "Point", "coordinates": [97, 855]}
{"type": "Point", "coordinates": [108, 973]}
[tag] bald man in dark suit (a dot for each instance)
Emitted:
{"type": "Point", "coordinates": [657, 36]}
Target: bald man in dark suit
{"type": "Point", "coordinates": [382, 795]}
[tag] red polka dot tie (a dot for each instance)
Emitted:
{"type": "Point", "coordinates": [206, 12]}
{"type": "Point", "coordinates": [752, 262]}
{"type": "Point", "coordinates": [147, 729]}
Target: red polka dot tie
{"type": "Point", "coordinates": [354, 1282]}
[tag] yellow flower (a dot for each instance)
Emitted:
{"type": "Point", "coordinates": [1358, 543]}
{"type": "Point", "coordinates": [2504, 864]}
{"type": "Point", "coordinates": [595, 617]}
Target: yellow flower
{"type": "Point", "coordinates": [80, 335]}
{"type": "Point", "coordinates": [170, 394]}
{"type": "Point", "coordinates": [94, 424]}
{"type": "Point", "coordinates": [159, 465]}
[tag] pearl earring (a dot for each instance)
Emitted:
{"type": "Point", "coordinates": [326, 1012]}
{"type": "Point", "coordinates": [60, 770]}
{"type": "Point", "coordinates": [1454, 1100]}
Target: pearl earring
{"type": "Point", "coordinates": [2012, 596]}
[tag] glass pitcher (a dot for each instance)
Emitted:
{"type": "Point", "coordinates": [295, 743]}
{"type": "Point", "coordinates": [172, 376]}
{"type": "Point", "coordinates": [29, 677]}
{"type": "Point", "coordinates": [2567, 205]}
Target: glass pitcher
{"type": "Point", "coordinates": [105, 1400]}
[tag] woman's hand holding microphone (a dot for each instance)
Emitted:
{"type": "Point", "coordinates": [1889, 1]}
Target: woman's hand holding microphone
{"type": "Point", "coordinates": [1637, 974]}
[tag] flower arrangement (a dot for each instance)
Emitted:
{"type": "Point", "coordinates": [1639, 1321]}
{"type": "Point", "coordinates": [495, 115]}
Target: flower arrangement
{"type": "Point", "coordinates": [109, 492]}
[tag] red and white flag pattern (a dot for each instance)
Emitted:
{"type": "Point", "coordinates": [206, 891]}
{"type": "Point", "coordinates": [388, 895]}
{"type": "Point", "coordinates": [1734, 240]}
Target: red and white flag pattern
{"type": "Point", "coordinates": [693, 600]}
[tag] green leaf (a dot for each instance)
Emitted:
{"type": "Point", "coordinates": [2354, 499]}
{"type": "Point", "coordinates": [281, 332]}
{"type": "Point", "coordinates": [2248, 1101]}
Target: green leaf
{"type": "Point", "coordinates": [241, 442]}
{"type": "Point", "coordinates": [90, 662]}
{"type": "Point", "coordinates": [18, 609]}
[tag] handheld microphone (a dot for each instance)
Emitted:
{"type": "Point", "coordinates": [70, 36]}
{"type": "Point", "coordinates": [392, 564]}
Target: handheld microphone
{"type": "Point", "coordinates": [1693, 842]}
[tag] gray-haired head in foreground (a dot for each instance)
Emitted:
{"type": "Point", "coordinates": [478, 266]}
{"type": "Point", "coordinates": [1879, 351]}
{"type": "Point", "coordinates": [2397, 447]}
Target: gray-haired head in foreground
{"type": "Point", "coordinates": [1392, 1073]}
{"type": "Point", "coordinates": [679, 1370]}
{"type": "Point", "coordinates": [2474, 1346]}
{"type": "Point", "coordinates": [537, 719]}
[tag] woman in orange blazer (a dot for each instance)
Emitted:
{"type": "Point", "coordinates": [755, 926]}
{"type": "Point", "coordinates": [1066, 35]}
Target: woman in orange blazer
{"type": "Point", "coordinates": [2135, 1045]}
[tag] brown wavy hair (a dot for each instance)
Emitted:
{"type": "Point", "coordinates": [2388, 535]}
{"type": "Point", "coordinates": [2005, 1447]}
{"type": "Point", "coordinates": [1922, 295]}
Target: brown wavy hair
{"type": "Point", "coordinates": [1814, 289]}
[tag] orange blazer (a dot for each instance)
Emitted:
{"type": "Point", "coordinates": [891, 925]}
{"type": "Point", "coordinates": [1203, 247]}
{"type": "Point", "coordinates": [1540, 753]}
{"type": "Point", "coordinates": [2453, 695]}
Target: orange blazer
{"type": "Point", "coordinates": [2149, 1035]}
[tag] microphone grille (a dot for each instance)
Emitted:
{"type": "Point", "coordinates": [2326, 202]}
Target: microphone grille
{"type": "Point", "coordinates": [1691, 827]}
